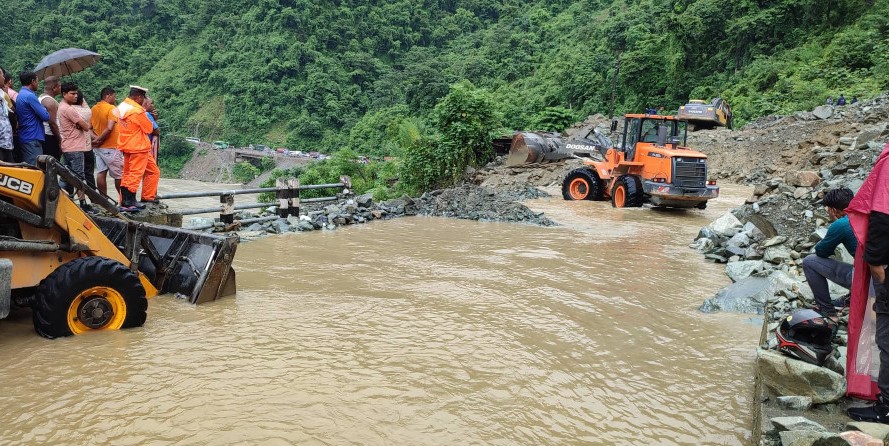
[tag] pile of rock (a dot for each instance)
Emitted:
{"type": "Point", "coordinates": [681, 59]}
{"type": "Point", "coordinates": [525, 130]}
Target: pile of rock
{"type": "Point", "coordinates": [774, 145]}
{"type": "Point", "coordinates": [466, 202]}
{"type": "Point", "coordinates": [763, 243]}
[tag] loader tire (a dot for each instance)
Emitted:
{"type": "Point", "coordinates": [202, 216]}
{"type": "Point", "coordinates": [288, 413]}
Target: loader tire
{"type": "Point", "coordinates": [87, 294]}
{"type": "Point", "coordinates": [627, 192]}
{"type": "Point", "coordinates": [582, 184]}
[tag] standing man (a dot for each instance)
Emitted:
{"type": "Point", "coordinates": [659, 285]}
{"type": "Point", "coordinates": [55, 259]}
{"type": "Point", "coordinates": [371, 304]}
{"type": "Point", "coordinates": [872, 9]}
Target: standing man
{"type": "Point", "coordinates": [109, 160]}
{"type": "Point", "coordinates": [75, 132]}
{"type": "Point", "coordinates": [52, 141]}
{"type": "Point", "coordinates": [7, 86]}
{"type": "Point", "coordinates": [136, 148]}
{"type": "Point", "coordinates": [31, 116]}
{"type": "Point", "coordinates": [869, 215]}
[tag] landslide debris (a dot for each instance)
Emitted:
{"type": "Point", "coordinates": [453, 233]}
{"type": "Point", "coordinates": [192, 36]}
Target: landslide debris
{"type": "Point", "coordinates": [791, 161]}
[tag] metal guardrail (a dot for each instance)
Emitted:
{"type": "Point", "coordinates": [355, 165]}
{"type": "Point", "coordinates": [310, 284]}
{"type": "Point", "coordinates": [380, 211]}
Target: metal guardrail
{"type": "Point", "coordinates": [287, 201]}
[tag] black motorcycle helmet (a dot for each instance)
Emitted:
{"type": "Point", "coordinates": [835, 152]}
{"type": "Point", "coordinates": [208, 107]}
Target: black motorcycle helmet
{"type": "Point", "coordinates": [806, 335]}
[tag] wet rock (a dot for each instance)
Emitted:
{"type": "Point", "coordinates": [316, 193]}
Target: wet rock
{"type": "Point", "coordinates": [790, 377]}
{"type": "Point", "coordinates": [777, 254]}
{"type": "Point", "coordinates": [280, 226]}
{"type": "Point", "coordinates": [727, 225]}
{"type": "Point", "coordinates": [811, 438]}
{"type": "Point", "coordinates": [795, 402]}
{"type": "Point", "coordinates": [743, 269]}
{"type": "Point", "coordinates": [741, 240]}
{"type": "Point", "coordinates": [333, 210]}
{"type": "Point", "coordinates": [365, 200]}
{"type": "Point", "coordinates": [777, 240]}
{"type": "Point", "coordinates": [304, 225]}
{"type": "Point", "coordinates": [751, 294]}
{"type": "Point", "coordinates": [783, 424]}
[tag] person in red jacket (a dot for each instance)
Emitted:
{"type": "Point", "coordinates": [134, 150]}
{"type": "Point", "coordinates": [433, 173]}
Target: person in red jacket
{"type": "Point", "coordinates": [869, 216]}
{"type": "Point", "coordinates": [138, 165]}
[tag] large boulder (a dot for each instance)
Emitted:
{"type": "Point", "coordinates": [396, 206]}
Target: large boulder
{"type": "Point", "coordinates": [776, 254]}
{"type": "Point", "coordinates": [869, 134]}
{"type": "Point", "coordinates": [823, 112]}
{"type": "Point", "coordinates": [727, 225]}
{"type": "Point", "coordinates": [786, 376]}
{"type": "Point", "coordinates": [751, 294]}
{"type": "Point", "coordinates": [784, 424]}
{"type": "Point", "coordinates": [743, 269]}
{"type": "Point", "coordinates": [811, 438]}
{"type": "Point", "coordinates": [802, 178]}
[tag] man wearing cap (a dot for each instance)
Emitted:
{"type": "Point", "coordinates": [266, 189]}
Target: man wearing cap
{"type": "Point", "coordinates": [134, 127]}
{"type": "Point", "coordinates": [109, 160]}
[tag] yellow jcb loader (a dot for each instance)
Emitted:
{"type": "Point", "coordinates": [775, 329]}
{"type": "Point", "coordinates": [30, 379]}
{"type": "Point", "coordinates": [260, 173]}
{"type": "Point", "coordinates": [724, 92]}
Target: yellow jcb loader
{"type": "Point", "coordinates": [80, 273]}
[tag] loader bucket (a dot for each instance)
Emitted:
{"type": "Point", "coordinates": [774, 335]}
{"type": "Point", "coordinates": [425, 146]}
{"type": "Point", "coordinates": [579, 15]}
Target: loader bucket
{"type": "Point", "coordinates": [526, 148]}
{"type": "Point", "coordinates": [531, 147]}
{"type": "Point", "coordinates": [191, 264]}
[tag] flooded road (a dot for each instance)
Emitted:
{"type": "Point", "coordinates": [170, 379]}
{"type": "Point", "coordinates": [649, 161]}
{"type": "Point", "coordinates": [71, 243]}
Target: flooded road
{"type": "Point", "coordinates": [416, 331]}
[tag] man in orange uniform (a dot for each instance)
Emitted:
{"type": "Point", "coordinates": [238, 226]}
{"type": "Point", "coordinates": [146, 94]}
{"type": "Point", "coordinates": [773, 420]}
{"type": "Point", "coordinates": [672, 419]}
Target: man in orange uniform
{"type": "Point", "coordinates": [134, 127]}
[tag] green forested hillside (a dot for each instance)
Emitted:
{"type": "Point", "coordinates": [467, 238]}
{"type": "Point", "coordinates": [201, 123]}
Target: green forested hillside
{"type": "Point", "coordinates": [328, 74]}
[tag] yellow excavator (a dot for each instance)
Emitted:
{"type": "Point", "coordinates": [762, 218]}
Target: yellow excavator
{"type": "Point", "coordinates": [79, 272]}
{"type": "Point", "coordinates": [701, 116]}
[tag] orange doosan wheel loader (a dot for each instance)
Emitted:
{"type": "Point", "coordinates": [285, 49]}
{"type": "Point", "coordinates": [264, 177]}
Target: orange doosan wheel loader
{"type": "Point", "coordinates": [82, 273]}
{"type": "Point", "coordinates": [650, 164]}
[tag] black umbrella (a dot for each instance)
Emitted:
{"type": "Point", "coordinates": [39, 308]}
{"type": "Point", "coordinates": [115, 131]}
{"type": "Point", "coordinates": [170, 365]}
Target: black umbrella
{"type": "Point", "coordinates": [66, 61]}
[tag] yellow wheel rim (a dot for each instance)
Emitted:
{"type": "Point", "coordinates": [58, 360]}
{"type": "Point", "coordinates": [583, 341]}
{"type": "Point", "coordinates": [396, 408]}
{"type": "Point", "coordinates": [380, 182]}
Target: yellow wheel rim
{"type": "Point", "coordinates": [97, 308]}
{"type": "Point", "coordinates": [578, 189]}
{"type": "Point", "coordinates": [620, 196]}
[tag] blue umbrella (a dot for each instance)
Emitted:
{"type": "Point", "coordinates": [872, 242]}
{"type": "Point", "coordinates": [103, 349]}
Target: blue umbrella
{"type": "Point", "coordinates": [66, 61]}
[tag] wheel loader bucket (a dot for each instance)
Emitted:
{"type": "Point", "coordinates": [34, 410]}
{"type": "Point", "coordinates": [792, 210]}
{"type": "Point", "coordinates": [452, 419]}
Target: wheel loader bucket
{"type": "Point", "coordinates": [191, 264]}
{"type": "Point", "coordinates": [528, 148]}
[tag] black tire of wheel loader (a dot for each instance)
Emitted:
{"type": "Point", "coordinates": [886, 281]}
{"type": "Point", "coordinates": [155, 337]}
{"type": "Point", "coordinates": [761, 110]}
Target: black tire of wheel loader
{"type": "Point", "coordinates": [702, 205]}
{"type": "Point", "coordinates": [86, 294]}
{"type": "Point", "coordinates": [582, 184]}
{"type": "Point", "coordinates": [627, 192]}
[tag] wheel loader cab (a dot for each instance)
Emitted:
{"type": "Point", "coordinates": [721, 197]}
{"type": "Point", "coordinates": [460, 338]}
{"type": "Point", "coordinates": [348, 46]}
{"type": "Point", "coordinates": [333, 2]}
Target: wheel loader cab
{"type": "Point", "coordinates": [657, 130]}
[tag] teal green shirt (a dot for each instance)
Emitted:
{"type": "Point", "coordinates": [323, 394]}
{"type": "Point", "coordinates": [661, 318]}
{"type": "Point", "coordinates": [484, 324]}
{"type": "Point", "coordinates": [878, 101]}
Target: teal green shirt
{"type": "Point", "coordinates": [838, 232]}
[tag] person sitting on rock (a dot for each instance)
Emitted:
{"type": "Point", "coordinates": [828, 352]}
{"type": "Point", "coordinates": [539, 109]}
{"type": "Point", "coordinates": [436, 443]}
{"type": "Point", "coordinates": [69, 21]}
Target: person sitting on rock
{"type": "Point", "coordinates": [819, 267]}
{"type": "Point", "coordinates": [841, 100]}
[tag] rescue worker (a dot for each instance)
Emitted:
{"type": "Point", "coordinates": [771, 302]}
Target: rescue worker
{"type": "Point", "coordinates": [138, 164]}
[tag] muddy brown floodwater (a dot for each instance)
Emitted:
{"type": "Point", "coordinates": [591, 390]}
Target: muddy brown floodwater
{"type": "Point", "coordinates": [416, 331]}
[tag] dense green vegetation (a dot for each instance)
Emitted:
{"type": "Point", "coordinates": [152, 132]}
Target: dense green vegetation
{"type": "Point", "coordinates": [372, 77]}
{"type": "Point", "coordinates": [174, 152]}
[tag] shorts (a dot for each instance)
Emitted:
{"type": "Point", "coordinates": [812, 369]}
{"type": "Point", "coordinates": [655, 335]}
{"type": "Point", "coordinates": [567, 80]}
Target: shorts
{"type": "Point", "coordinates": [110, 160]}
